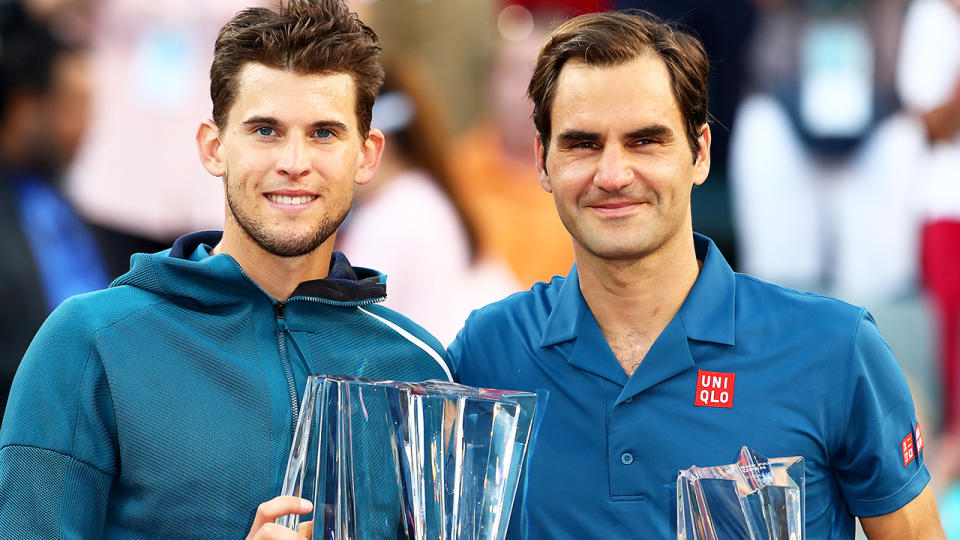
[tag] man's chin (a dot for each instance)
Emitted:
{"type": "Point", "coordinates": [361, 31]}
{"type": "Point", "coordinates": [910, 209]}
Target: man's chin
{"type": "Point", "coordinates": [618, 252]}
{"type": "Point", "coordinates": [287, 240]}
{"type": "Point", "coordinates": [287, 246]}
{"type": "Point", "coordinates": [290, 250]}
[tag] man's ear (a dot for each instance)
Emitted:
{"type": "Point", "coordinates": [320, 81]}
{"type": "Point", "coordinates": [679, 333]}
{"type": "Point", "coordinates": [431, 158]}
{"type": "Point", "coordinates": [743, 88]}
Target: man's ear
{"type": "Point", "coordinates": [541, 157]}
{"type": "Point", "coordinates": [370, 156]}
{"type": "Point", "coordinates": [702, 163]}
{"type": "Point", "coordinates": [208, 146]}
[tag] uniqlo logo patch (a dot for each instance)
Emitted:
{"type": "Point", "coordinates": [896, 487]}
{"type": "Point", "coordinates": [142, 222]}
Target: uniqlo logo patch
{"type": "Point", "coordinates": [906, 445]}
{"type": "Point", "coordinates": [714, 389]}
{"type": "Point", "coordinates": [918, 437]}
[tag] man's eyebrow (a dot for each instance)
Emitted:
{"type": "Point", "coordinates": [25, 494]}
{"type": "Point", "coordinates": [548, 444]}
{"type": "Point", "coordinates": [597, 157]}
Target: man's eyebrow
{"type": "Point", "coordinates": [332, 125]}
{"type": "Point", "coordinates": [656, 130]}
{"type": "Point", "coordinates": [261, 121]}
{"type": "Point", "coordinates": [574, 136]}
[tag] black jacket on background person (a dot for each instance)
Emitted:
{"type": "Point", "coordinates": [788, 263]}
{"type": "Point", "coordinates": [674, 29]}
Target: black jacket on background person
{"type": "Point", "coordinates": [23, 309]}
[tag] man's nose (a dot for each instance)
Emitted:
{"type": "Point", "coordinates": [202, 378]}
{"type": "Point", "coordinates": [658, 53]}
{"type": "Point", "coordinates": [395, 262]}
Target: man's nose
{"type": "Point", "coordinates": [615, 169]}
{"type": "Point", "coordinates": [294, 159]}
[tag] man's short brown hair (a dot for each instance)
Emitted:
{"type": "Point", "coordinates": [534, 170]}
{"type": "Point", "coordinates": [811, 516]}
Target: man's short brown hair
{"type": "Point", "coordinates": [614, 38]}
{"type": "Point", "coordinates": [303, 36]}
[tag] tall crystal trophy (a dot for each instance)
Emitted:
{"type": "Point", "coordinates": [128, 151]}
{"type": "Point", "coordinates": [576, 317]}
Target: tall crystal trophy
{"type": "Point", "coordinates": [384, 459]}
{"type": "Point", "coordinates": [754, 499]}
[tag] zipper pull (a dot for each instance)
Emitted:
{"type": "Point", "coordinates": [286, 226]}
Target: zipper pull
{"type": "Point", "coordinates": [278, 310]}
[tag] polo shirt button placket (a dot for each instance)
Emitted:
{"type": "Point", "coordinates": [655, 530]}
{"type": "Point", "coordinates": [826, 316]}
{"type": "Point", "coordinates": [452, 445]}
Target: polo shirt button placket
{"type": "Point", "coordinates": [626, 458]}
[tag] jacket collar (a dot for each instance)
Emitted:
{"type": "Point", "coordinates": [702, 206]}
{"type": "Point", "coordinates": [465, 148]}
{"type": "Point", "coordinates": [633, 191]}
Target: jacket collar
{"type": "Point", "coordinates": [186, 244]}
{"type": "Point", "coordinates": [172, 272]}
{"type": "Point", "coordinates": [707, 314]}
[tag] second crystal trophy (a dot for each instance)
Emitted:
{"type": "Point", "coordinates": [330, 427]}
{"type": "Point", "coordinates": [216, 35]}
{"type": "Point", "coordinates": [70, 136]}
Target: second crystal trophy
{"type": "Point", "coordinates": [753, 499]}
{"type": "Point", "coordinates": [384, 459]}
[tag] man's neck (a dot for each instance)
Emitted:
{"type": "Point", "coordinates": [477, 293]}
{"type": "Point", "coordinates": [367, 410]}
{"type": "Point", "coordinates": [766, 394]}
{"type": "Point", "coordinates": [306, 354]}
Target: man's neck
{"type": "Point", "coordinates": [278, 276]}
{"type": "Point", "coordinates": [634, 300]}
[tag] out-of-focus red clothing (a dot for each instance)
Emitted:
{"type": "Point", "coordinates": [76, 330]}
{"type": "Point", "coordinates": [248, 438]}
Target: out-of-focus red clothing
{"type": "Point", "coordinates": [574, 6]}
{"type": "Point", "coordinates": [941, 275]}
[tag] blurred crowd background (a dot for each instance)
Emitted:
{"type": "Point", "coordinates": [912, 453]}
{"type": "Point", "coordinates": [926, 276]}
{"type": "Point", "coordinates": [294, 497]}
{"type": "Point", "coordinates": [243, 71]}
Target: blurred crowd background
{"type": "Point", "coordinates": [836, 160]}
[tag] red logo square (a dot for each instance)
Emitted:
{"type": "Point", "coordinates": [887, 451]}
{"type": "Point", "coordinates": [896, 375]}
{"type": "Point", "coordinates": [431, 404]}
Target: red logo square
{"type": "Point", "coordinates": [714, 389]}
{"type": "Point", "coordinates": [918, 436]}
{"type": "Point", "coordinates": [906, 445]}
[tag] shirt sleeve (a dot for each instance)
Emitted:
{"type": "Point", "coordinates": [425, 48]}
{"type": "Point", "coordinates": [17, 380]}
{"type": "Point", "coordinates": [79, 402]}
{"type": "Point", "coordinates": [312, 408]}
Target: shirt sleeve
{"type": "Point", "coordinates": [877, 456]}
{"type": "Point", "coordinates": [58, 450]}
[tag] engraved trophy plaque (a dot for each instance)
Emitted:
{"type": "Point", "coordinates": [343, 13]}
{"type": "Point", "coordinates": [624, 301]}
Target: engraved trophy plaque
{"type": "Point", "coordinates": [385, 459]}
{"type": "Point", "coordinates": [754, 499]}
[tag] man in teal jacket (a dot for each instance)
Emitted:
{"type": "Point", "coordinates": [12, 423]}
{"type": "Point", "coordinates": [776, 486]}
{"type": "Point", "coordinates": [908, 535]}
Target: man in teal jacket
{"type": "Point", "coordinates": [164, 406]}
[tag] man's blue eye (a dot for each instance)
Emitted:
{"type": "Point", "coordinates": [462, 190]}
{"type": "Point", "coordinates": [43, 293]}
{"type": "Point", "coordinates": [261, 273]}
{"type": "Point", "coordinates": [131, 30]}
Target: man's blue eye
{"type": "Point", "coordinates": [265, 131]}
{"type": "Point", "coordinates": [324, 133]}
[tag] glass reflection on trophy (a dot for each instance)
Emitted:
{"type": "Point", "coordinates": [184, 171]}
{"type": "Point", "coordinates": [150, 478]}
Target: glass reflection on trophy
{"type": "Point", "coordinates": [753, 499]}
{"type": "Point", "coordinates": [385, 459]}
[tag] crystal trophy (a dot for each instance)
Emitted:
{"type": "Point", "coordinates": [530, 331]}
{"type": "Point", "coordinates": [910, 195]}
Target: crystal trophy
{"type": "Point", "coordinates": [754, 499]}
{"type": "Point", "coordinates": [386, 459]}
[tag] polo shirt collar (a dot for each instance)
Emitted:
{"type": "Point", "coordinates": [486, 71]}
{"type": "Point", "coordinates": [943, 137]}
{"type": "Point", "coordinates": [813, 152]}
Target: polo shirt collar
{"type": "Point", "coordinates": [707, 314]}
{"type": "Point", "coordinates": [568, 310]}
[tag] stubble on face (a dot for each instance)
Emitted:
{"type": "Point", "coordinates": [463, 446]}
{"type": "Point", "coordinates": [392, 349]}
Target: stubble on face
{"type": "Point", "coordinates": [282, 243]}
{"type": "Point", "coordinates": [619, 142]}
{"type": "Point", "coordinates": [290, 134]}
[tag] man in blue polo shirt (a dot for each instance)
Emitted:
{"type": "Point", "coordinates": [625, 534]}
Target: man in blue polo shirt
{"type": "Point", "coordinates": [657, 356]}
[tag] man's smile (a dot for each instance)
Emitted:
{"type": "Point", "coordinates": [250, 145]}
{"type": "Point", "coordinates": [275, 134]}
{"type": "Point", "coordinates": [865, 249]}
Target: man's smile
{"type": "Point", "coordinates": [616, 209]}
{"type": "Point", "coordinates": [289, 198]}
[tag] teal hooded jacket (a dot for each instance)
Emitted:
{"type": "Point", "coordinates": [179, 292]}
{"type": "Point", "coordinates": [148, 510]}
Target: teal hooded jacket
{"type": "Point", "coordinates": [164, 406]}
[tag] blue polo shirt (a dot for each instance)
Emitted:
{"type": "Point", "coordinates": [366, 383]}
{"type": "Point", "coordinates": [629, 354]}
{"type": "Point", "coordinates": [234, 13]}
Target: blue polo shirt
{"type": "Point", "coordinates": [743, 362]}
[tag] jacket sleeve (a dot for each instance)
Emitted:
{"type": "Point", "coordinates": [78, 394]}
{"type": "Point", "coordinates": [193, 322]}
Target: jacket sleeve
{"type": "Point", "coordinates": [58, 447]}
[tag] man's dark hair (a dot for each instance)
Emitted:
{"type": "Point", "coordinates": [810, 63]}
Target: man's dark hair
{"type": "Point", "coordinates": [27, 56]}
{"type": "Point", "coordinates": [303, 36]}
{"type": "Point", "coordinates": [614, 38]}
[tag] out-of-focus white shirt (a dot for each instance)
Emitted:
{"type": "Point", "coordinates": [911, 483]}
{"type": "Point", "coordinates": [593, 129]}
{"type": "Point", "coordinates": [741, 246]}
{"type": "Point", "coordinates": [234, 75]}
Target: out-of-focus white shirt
{"type": "Point", "coordinates": [138, 169]}
{"type": "Point", "coordinates": [410, 231]}
{"type": "Point", "coordinates": [928, 75]}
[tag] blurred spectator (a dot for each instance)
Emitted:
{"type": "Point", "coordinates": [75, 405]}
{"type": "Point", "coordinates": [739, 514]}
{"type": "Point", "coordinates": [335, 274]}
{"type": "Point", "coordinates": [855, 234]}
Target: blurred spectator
{"type": "Point", "coordinates": [818, 178]}
{"type": "Point", "coordinates": [50, 253]}
{"type": "Point", "coordinates": [453, 38]}
{"type": "Point", "coordinates": [570, 7]}
{"type": "Point", "coordinates": [132, 177]}
{"type": "Point", "coordinates": [68, 20]}
{"type": "Point", "coordinates": [823, 167]}
{"type": "Point", "coordinates": [456, 40]}
{"type": "Point", "coordinates": [929, 85]}
{"type": "Point", "coordinates": [494, 164]}
{"type": "Point", "coordinates": [407, 222]}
